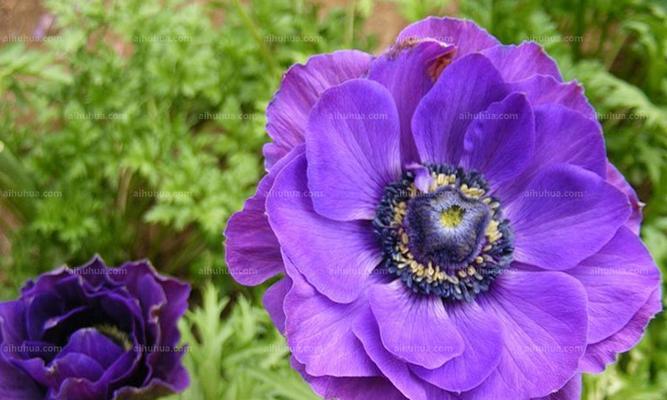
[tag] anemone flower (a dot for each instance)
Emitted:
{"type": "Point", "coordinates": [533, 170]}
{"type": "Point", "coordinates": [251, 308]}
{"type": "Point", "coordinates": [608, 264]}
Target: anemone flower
{"type": "Point", "coordinates": [445, 222]}
{"type": "Point", "coordinates": [93, 333]}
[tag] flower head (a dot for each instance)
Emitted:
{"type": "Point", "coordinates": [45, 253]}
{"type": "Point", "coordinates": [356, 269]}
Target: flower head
{"type": "Point", "coordinates": [93, 333]}
{"type": "Point", "coordinates": [446, 223]}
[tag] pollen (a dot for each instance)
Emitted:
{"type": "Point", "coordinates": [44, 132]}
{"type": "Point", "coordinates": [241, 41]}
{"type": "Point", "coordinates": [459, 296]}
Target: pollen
{"type": "Point", "coordinates": [452, 217]}
{"type": "Point", "coordinates": [450, 240]}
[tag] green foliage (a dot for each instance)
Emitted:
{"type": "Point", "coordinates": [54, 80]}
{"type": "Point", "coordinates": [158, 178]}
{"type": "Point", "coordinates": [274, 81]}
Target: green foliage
{"type": "Point", "coordinates": [145, 118]}
{"type": "Point", "coordinates": [236, 353]}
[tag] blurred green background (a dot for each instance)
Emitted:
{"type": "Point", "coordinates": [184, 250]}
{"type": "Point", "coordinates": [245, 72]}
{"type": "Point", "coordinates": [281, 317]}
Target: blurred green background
{"type": "Point", "coordinates": [133, 129]}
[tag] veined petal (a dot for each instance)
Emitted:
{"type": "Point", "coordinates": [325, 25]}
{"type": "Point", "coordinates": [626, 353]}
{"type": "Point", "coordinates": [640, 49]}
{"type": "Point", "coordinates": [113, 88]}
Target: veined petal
{"type": "Point", "coordinates": [465, 35]}
{"type": "Point", "coordinates": [353, 149]}
{"type": "Point", "coordinates": [565, 215]}
{"type": "Point", "coordinates": [544, 333]}
{"type": "Point", "coordinates": [500, 141]}
{"type": "Point", "coordinates": [302, 85]}
{"type": "Point", "coordinates": [319, 331]}
{"type": "Point", "coordinates": [408, 70]}
{"type": "Point", "coordinates": [335, 257]}
{"type": "Point", "coordinates": [619, 280]}
{"type": "Point", "coordinates": [521, 62]}
{"type": "Point", "coordinates": [404, 321]}
{"type": "Point", "coordinates": [444, 114]}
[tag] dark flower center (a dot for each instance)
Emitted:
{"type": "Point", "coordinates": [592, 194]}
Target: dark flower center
{"type": "Point", "coordinates": [449, 239]}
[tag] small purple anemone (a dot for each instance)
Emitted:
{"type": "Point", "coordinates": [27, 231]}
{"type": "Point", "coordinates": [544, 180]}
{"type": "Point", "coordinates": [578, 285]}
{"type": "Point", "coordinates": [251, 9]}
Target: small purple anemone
{"type": "Point", "coordinates": [94, 333]}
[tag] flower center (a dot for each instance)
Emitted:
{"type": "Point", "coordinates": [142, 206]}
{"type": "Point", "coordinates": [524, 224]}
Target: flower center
{"type": "Point", "coordinates": [445, 236]}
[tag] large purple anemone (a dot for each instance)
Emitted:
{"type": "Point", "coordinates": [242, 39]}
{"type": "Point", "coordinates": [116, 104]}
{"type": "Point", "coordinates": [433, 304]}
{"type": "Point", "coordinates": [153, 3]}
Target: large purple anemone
{"type": "Point", "coordinates": [94, 333]}
{"type": "Point", "coordinates": [445, 222]}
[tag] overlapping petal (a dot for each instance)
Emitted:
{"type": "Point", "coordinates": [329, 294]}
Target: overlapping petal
{"type": "Point", "coordinates": [565, 215]}
{"type": "Point", "coordinates": [408, 71]}
{"type": "Point", "coordinates": [336, 257]}
{"type": "Point", "coordinates": [403, 318]}
{"type": "Point", "coordinates": [544, 333]}
{"type": "Point", "coordinates": [252, 251]}
{"type": "Point", "coordinates": [319, 331]}
{"type": "Point", "coordinates": [465, 35]}
{"type": "Point", "coordinates": [444, 114]}
{"type": "Point", "coordinates": [500, 142]}
{"type": "Point", "coordinates": [520, 62]}
{"type": "Point", "coordinates": [353, 149]}
{"type": "Point", "coordinates": [302, 85]}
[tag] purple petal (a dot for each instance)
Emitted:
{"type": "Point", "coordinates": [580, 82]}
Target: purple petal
{"type": "Point", "coordinates": [274, 299]}
{"type": "Point", "coordinates": [319, 331]}
{"type": "Point", "coordinates": [565, 215]}
{"type": "Point", "coordinates": [92, 343]}
{"type": "Point", "coordinates": [409, 70]}
{"type": "Point", "coordinates": [335, 257]}
{"type": "Point", "coordinates": [302, 85]}
{"type": "Point", "coordinates": [77, 389]}
{"type": "Point", "coordinates": [75, 365]}
{"type": "Point", "coordinates": [252, 252]}
{"type": "Point", "coordinates": [603, 353]}
{"type": "Point", "coordinates": [353, 149]}
{"type": "Point", "coordinates": [12, 322]}
{"type": "Point", "coordinates": [403, 318]}
{"type": "Point", "coordinates": [543, 89]}
{"type": "Point", "coordinates": [619, 280]}
{"type": "Point", "coordinates": [155, 389]}
{"type": "Point", "coordinates": [615, 177]}
{"type": "Point", "coordinates": [444, 114]}
{"type": "Point", "coordinates": [543, 315]}
{"type": "Point", "coordinates": [41, 309]}
{"type": "Point", "coordinates": [394, 369]}
{"type": "Point", "coordinates": [499, 143]}
{"type": "Point", "coordinates": [561, 136]}
{"type": "Point", "coordinates": [521, 62]}
{"type": "Point", "coordinates": [465, 35]}
{"type": "Point", "coordinates": [571, 391]}
{"type": "Point", "coordinates": [15, 384]}
{"type": "Point", "coordinates": [363, 388]}
{"type": "Point", "coordinates": [481, 333]}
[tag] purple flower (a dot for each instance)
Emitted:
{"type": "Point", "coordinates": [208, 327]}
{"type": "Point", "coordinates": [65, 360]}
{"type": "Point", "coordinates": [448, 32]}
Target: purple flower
{"type": "Point", "coordinates": [93, 333]}
{"type": "Point", "coordinates": [446, 222]}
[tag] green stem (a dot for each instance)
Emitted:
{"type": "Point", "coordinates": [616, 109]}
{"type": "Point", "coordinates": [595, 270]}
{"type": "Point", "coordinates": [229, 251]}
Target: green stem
{"type": "Point", "coordinates": [254, 31]}
{"type": "Point", "coordinates": [349, 23]}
